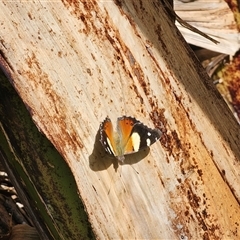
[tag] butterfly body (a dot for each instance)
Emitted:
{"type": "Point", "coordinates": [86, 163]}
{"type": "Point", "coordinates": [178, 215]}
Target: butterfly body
{"type": "Point", "coordinates": [131, 136]}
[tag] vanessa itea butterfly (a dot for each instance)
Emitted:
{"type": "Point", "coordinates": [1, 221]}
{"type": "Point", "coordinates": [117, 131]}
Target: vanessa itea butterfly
{"type": "Point", "coordinates": [131, 136]}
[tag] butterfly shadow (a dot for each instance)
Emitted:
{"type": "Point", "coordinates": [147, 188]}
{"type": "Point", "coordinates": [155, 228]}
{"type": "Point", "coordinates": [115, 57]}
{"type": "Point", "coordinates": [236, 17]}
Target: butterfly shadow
{"type": "Point", "coordinates": [100, 160]}
{"type": "Point", "coordinates": [136, 157]}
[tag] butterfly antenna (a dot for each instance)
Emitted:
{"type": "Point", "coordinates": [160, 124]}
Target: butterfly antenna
{"type": "Point", "coordinates": [110, 184]}
{"type": "Point", "coordinates": [121, 179]}
{"type": "Point", "coordinates": [134, 169]}
{"type": "Point", "coordinates": [120, 173]}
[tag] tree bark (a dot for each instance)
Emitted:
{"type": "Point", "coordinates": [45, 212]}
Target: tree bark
{"type": "Point", "coordinates": [74, 63]}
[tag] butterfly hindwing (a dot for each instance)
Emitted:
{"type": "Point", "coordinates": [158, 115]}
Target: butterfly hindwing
{"type": "Point", "coordinates": [125, 126]}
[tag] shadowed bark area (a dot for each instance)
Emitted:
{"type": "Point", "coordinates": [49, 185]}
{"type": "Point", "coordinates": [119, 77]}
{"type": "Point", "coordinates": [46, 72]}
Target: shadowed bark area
{"type": "Point", "coordinates": [40, 175]}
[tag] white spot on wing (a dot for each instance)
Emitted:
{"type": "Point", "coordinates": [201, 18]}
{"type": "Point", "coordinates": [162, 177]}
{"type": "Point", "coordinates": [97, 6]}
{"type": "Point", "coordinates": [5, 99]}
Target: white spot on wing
{"type": "Point", "coordinates": [110, 147]}
{"type": "Point", "coordinates": [148, 141]}
{"type": "Point", "coordinates": [149, 134]}
{"type": "Point", "coordinates": [135, 141]}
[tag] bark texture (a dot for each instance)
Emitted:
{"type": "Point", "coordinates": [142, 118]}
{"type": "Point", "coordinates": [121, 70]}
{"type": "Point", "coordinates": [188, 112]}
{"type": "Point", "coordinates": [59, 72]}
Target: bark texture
{"type": "Point", "coordinates": [75, 62]}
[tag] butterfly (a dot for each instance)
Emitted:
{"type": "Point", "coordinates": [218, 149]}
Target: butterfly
{"type": "Point", "coordinates": [131, 136]}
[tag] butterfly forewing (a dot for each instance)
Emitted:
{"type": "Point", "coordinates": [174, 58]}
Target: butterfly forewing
{"type": "Point", "coordinates": [108, 137]}
{"type": "Point", "coordinates": [147, 135]}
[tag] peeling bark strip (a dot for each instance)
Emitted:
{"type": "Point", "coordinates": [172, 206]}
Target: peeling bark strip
{"type": "Point", "coordinates": [76, 62]}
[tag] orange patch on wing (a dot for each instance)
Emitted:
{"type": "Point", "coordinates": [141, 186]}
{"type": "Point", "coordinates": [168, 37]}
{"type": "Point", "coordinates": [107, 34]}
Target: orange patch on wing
{"type": "Point", "coordinates": [125, 129]}
{"type": "Point", "coordinates": [129, 147]}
